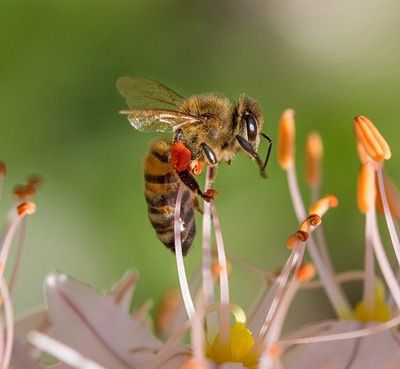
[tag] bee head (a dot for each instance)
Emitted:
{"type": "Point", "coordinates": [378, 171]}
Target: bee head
{"type": "Point", "coordinates": [248, 120]}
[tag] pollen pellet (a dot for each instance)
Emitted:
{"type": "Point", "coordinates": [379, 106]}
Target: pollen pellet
{"type": "Point", "coordinates": [287, 131]}
{"type": "Point", "coordinates": [321, 206]}
{"type": "Point", "coordinates": [366, 192]}
{"type": "Point", "coordinates": [371, 139]}
{"type": "Point", "coordinates": [314, 151]}
{"type": "Point", "coordinates": [305, 273]}
{"type": "Point", "coordinates": [26, 208]}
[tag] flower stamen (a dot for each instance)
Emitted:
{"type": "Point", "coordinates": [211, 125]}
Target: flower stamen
{"type": "Point", "coordinates": [371, 139]}
{"type": "Point", "coordinates": [287, 131]}
{"type": "Point", "coordinates": [187, 298]}
{"type": "Point", "coordinates": [366, 192]}
{"type": "Point", "coordinates": [314, 152]}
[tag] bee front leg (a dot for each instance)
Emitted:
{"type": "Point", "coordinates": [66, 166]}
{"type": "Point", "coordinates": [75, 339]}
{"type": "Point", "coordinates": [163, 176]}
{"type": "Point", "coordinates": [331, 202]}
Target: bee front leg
{"type": "Point", "coordinates": [190, 181]}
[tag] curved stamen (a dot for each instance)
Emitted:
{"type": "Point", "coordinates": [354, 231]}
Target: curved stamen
{"type": "Point", "coordinates": [224, 284]}
{"type": "Point", "coordinates": [360, 333]}
{"type": "Point", "coordinates": [388, 216]}
{"type": "Point", "coordinates": [187, 298]}
{"type": "Point", "coordinates": [208, 284]}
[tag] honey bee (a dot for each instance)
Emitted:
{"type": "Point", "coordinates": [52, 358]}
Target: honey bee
{"type": "Point", "coordinates": [207, 129]}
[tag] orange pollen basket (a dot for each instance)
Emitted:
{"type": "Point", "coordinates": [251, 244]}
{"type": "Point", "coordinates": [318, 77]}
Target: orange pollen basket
{"type": "Point", "coordinates": [180, 156]}
{"type": "Point", "coordinates": [373, 142]}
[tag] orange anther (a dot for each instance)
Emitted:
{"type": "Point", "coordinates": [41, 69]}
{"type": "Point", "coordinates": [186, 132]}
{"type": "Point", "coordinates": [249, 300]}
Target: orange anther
{"type": "Point", "coordinates": [26, 208]}
{"type": "Point", "coordinates": [313, 220]}
{"type": "Point", "coordinates": [362, 154]}
{"type": "Point", "coordinates": [314, 151]}
{"type": "Point", "coordinates": [275, 351]}
{"type": "Point", "coordinates": [373, 142]}
{"type": "Point", "coordinates": [321, 206]}
{"type": "Point", "coordinates": [286, 144]}
{"type": "Point", "coordinates": [305, 273]}
{"type": "Point", "coordinates": [366, 192]}
{"type": "Point", "coordinates": [296, 238]}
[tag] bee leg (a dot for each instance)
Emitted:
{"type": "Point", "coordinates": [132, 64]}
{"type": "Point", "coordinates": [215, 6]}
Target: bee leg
{"type": "Point", "coordinates": [269, 149]}
{"type": "Point", "coordinates": [209, 154]}
{"type": "Point", "coordinates": [190, 181]}
{"type": "Point", "coordinates": [246, 146]}
{"type": "Point", "coordinates": [197, 206]}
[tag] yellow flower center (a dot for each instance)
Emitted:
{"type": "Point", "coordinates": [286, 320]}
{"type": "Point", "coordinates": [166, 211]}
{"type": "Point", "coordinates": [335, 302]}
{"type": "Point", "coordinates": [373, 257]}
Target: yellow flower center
{"type": "Point", "coordinates": [237, 349]}
{"type": "Point", "coordinates": [381, 311]}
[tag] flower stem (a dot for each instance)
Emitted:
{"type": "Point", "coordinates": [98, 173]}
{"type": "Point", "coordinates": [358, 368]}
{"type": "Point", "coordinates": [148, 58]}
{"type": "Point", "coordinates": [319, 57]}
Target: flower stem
{"type": "Point", "coordinates": [369, 277]}
{"type": "Point", "coordinates": [334, 292]}
{"type": "Point", "coordinates": [382, 259]}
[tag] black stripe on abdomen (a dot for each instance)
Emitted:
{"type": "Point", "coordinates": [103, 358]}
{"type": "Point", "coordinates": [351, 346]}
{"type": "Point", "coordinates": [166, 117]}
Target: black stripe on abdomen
{"type": "Point", "coordinates": [162, 179]}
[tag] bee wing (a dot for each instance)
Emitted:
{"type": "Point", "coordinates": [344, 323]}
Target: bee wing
{"type": "Point", "coordinates": [144, 93]}
{"type": "Point", "coordinates": [157, 120]}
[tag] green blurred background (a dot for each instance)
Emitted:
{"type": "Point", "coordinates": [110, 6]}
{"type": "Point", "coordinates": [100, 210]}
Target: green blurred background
{"type": "Point", "coordinates": [59, 61]}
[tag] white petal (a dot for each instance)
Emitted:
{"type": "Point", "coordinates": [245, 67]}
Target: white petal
{"type": "Point", "coordinates": [20, 358]}
{"type": "Point", "coordinates": [123, 290]}
{"type": "Point", "coordinates": [37, 320]}
{"type": "Point", "coordinates": [371, 352]}
{"type": "Point", "coordinates": [95, 325]}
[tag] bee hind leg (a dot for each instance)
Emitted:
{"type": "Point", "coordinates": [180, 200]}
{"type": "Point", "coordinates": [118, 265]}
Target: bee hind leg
{"type": "Point", "coordinates": [190, 181]}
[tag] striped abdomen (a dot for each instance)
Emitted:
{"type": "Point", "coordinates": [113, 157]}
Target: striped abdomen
{"type": "Point", "coordinates": [161, 190]}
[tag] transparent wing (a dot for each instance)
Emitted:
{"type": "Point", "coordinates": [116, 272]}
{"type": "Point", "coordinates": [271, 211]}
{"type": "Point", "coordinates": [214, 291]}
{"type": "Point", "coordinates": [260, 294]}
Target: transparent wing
{"type": "Point", "coordinates": [144, 93]}
{"type": "Point", "coordinates": [157, 120]}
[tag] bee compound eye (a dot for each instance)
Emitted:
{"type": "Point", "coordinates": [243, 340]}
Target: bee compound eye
{"type": "Point", "coordinates": [251, 125]}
